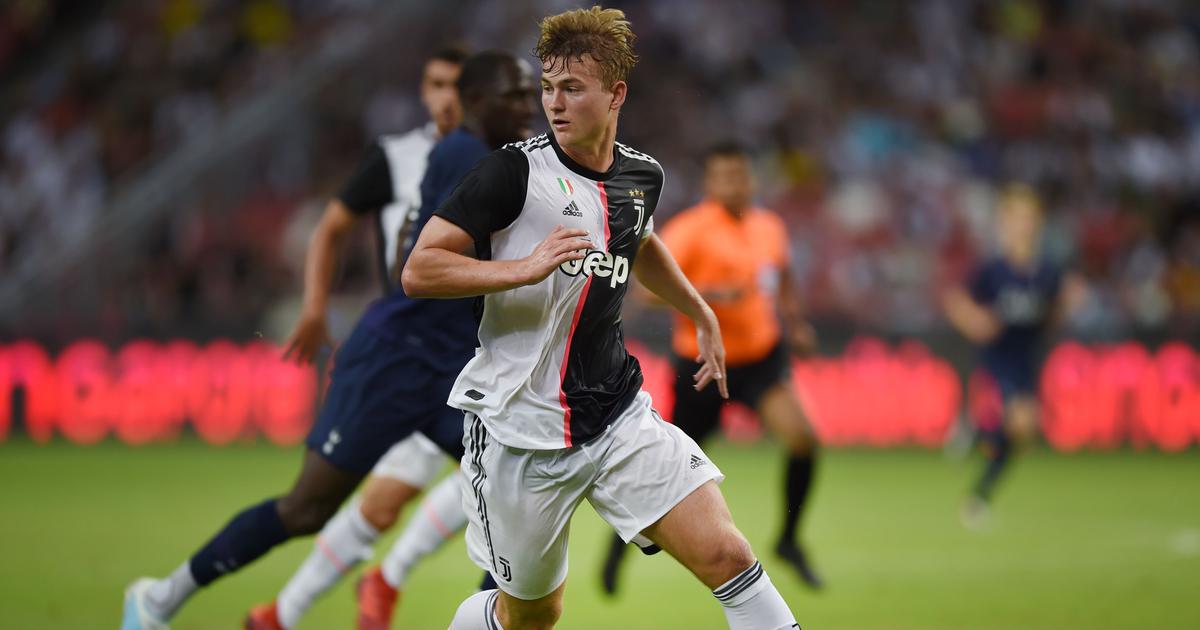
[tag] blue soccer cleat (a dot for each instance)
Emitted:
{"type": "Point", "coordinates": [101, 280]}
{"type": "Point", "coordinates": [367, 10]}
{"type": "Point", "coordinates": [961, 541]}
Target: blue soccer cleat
{"type": "Point", "coordinates": [136, 617]}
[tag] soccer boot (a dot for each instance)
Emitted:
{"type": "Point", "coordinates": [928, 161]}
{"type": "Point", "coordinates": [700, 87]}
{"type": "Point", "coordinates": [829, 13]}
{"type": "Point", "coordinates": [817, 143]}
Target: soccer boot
{"type": "Point", "coordinates": [376, 601]}
{"type": "Point", "coordinates": [792, 554]}
{"type": "Point", "coordinates": [263, 617]}
{"type": "Point", "coordinates": [135, 616]}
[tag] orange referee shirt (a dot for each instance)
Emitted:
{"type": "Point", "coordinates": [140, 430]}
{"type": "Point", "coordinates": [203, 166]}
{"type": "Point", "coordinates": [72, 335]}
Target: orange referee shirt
{"type": "Point", "coordinates": [741, 259]}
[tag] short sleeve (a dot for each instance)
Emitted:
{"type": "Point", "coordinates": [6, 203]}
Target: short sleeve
{"type": "Point", "coordinates": [490, 196]}
{"type": "Point", "coordinates": [370, 187]}
{"type": "Point", "coordinates": [649, 229]}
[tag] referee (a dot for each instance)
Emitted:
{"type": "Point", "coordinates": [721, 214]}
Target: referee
{"type": "Point", "coordinates": [737, 256]}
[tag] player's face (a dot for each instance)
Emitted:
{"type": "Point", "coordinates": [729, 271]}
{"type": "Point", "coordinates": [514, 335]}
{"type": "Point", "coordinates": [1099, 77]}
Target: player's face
{"type": "Point", "coordinates": [1020, 227]}
{"type": "Point", "coordinates": [439, 95]}
{"type": "Point", "coordinates": [729, 181]}
{"type": "Point", "coordinates": [578, 106]}
{"type": "Point", "coordinates": [507, 109]}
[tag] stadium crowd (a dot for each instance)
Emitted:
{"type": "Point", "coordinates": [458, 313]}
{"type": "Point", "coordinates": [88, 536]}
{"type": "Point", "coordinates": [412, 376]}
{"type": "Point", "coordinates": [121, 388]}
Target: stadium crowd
{"type": "Point", "coordinates": [882, 132]}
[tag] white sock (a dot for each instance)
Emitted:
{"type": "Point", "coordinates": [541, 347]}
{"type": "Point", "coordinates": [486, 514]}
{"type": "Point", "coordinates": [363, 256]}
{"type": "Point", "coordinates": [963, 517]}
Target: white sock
{"type": "Point", "coordinates": [751, 602]}
{"type": "Point", "coordinates": [168, 594]}
{"type": "Point", "coordinates": [477, 612]}
{"type": "Point", "coordinates": [438, 518]}
{"type": "Point", "coordinates": [346, 540]}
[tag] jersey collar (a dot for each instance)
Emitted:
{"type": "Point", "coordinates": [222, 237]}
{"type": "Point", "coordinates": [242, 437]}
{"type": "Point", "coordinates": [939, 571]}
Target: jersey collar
{"type": "Point", "coordinates": [579, 169]}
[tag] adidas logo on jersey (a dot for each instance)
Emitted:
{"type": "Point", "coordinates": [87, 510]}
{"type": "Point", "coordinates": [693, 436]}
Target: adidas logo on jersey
{"type": "Point", "coordinates": [572, 210]}
{"type": "Point", "coordinates": [601, 265]}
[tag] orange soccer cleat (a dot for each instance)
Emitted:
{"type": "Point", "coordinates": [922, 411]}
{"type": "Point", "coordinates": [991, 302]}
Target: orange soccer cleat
{"type": "Point", "coordinates": [376, 601]}
{"type": "Point", "coordinates": [263, 617]}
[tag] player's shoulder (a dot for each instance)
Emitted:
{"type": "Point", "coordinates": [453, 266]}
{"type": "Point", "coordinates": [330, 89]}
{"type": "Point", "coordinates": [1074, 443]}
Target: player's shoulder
{"type": "Point", "coordinates": [992, 268]}
{"type": "Point", "coordinates": [529, 146]}
{"type": "Point", "coordinates": [634, 160]}
{"type": "Point", "coordinates": [1050, 272]}
{"type": "Point", "coordinates": [459, 143]}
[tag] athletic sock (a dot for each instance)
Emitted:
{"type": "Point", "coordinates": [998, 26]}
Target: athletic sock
{"type": "Point", "coordinates": [346, 540]}
{"type": "Point", "coordinates": [164, 598]}
{"type": "Point", "coordinates": [999, 452]}
{"type": "Point", "coordinates": [751, 602]}
{"type": "Point", "coordinates": [477, 612]}
{"type": "Point", "coordinates": [796, 484]}
{"type": "Point", "coordinates": [437, 519]}
{"type": "Point", "coordinates": [243, 540]}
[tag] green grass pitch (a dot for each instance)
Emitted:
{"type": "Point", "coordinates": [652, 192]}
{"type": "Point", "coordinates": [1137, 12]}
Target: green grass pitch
{"type": "Point", "coordinates": [1094, 540]}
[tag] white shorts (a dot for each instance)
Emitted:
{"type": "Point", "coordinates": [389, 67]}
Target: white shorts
{"type": "Point", "coordinates": [519, 502]}
{"type": "Point", "coordinates": [415, 460]}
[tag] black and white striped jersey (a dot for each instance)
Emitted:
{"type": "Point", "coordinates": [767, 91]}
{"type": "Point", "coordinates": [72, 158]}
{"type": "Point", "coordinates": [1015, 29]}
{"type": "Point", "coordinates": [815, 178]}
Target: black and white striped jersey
{"type": "Point", "coordinates": [552, 370]}
{"type": "Point", "coordinates": [389, 181]}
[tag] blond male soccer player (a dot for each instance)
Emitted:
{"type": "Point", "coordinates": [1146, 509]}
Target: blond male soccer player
{"type": "Point", "coordinates": [550, 232]}
{"type": "Point", "coordinates": [1009, 302]}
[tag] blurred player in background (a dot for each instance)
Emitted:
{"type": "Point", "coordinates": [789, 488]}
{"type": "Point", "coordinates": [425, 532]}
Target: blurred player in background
{"type": "Point", "coordinates": [401, 351]}
{"type": "Point", "coordinates": [548, 231]}
{"type": "Point", "coordinates": [737, 256]}
{"type": "Point", "coordinates": [385, 184]}
{"type": "Point", "coordinates": [1008, 303]}
{"type": "Point", "coordinates": [498, 93]}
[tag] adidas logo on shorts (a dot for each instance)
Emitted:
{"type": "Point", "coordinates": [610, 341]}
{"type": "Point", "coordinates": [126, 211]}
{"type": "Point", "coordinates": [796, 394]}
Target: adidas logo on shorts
{"type": "Point", "coordinates": [697, 462]}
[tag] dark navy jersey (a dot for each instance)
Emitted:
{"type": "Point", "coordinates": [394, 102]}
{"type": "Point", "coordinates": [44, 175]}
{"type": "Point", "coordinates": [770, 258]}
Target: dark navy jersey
{"type": "Point", "coordinates": [444, 331]}
{"type": "Point", "coordinates": [1023, 301]}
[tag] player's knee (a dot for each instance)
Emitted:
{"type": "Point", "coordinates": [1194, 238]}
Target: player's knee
{"type": "Point", "coordinates": [730, 555]}
{"type": "Point", "coordinates": [802, 444]}
{"type": "Point", "coordinates": [383, 499]}
{"type": "Point", "coordinates": [380, 514]}
{"type": "Point", "coordinates": [303, 517]}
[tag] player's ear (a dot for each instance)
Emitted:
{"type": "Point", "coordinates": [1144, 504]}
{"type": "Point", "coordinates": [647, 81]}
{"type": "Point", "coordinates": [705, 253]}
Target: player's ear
{"type": "Point", "coordinates": [619, 90]}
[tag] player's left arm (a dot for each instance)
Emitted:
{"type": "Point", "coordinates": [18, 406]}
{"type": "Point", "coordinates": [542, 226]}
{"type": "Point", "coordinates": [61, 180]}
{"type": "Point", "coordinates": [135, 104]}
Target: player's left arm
{"type": "Point", "coordinates": [658, 272]}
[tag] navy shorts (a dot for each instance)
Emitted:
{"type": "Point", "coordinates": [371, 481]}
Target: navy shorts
{"type": "Point", "coordinates": [380, 392]}
{"type": "Point", "coordinates": [1013, 381]}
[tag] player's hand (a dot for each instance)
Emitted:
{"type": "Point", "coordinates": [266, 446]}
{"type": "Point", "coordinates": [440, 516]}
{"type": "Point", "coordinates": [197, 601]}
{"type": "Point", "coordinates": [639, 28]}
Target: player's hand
{"type": "Point", "coordinates": [562, 245]}
{"type": "Point", "coordinates": [311, 334]}
{"type": "Point", "coordinates": [802, 338]}
{"type": "Point", "coordinates": [712, 356]}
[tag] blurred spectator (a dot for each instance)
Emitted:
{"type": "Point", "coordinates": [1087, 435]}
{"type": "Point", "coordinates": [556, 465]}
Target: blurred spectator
{"type": "Point", "coordinates": [882, 129]}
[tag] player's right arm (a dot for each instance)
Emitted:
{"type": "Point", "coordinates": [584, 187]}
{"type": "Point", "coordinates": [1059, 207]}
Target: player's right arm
{"type": "Point", "coordinates": [444, 264]}
{"type": "Point", "coordinates": [972, 320]}
{"type": "Point", "coordinates": [441, 266]}
{"type": "Point", "coordinates": [966, 308]}
{"type": "Point", "coordinates": [312, 330]}
{"type": "Point", "coordinates": [369, 189]}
